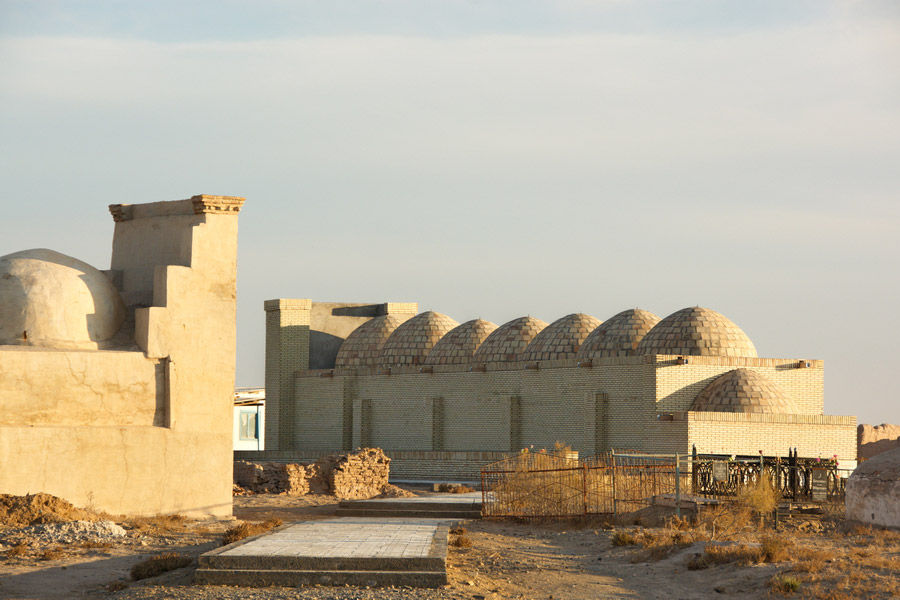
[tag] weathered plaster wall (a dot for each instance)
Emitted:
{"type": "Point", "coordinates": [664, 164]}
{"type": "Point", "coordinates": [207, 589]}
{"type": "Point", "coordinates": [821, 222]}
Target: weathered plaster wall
{"type": "Point", "coordinates": [73, 388]}
{"type": "Point", "coordinates": [139, 432]}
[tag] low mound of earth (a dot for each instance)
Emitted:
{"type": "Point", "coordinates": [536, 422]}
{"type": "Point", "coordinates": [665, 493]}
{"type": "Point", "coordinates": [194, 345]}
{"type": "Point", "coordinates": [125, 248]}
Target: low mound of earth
{"type": "Point", "coordinates": [34, 509]}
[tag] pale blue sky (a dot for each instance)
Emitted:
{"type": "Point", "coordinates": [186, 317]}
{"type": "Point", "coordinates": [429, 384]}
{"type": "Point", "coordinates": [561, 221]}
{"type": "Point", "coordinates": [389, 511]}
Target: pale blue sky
{"type": "Point", "coordinates": [490, 159]}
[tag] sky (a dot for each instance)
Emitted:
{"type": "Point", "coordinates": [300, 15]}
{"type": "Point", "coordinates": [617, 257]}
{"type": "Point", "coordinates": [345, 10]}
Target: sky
{"type": "Point", "coordinates": [489, 159]}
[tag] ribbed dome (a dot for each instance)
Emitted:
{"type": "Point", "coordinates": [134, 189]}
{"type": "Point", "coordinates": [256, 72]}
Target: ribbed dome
{"type": "Point", "coordinates": [509, 340]}
{"type": "Point", "coordinates": [459, 345]}
{"type": "Point", "coordinates": [362, 348]}
{"type": "Point", "coordinates": [52, 300]}
{"type": "Point", "coordinates": [696, 331]}
{"type": "Point", "coordinates": [412, 341]}
{"type": "Point", "coordinates": [619, 335]}
{"type": "Point", "coordinates": [561, 339]}
{"type": "Point", "coordinates": [743, 391]}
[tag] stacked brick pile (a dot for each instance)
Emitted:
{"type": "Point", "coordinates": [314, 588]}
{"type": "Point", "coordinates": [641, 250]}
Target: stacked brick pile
{"type": "Point", "coordinates": [273, 478]}
{"type": "Point", "coordinates": [356, 475]}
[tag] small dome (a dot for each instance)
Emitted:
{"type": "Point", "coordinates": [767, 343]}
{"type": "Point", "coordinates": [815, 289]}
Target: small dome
{"type": "Point", "coordinates": [459, 345]}
{"type": "Point", "coordinates": [412, 341]}
{"type": "Point", "coordinates": [618, 336]}
{"type": "Point", "coordinates": [697, 331]}
{"type": "Point", "coordinates": [508, 341]}
{"type": "Point", "coordinates": [743, 391]}
{"type": "Point", "coordinates": [561, 339]}
{"type": "Point", "coordinates": [363, 346]}
{"type": "Point", "coordinates": [52, 300]}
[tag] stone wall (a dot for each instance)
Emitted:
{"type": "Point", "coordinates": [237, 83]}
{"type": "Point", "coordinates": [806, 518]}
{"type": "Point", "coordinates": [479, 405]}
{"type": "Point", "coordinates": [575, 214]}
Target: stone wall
{"type": "Point", "coordinates": [872, 440]}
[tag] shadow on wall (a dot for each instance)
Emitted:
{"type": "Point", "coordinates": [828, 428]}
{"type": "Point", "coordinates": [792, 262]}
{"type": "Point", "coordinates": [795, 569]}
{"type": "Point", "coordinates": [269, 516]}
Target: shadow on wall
{"type": "Point", "coordinates": [323, 349]}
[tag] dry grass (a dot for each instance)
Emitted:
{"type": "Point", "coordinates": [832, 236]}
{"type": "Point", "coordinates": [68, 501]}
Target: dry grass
{"type": "Point", "coordinates": [459, 531]}
{"type": "Point", "coordinates": [784, 584]}
{"type": "Point", "coordinates": [454, 488]}
{"type": "Point", "coordinates": [623, 538]}
{"type": "Point", "coordinates": [51, 553]}
{"type": "Point", "coordinates": [461, 541]}
{"type": "Point", "coordinates": [159, 564]}
{"type": "Point", "coordinates": [17, 551]}
{"type": "Point", "coordinates": [245, 530]}
{"type": "Point", "coordinates": [158, 524]}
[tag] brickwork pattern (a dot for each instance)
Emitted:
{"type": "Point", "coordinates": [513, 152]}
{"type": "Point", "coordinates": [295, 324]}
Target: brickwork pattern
{"type": "Point", "coordinates": [736, 433]}
{"type": "Point", "coordinates": [696, 331]}
{"type": "Point", "coordinates": [287, 351]}
{"type": "Point", "coordinates": [362, 348]}
{"type": "Point", "coordinates": [744, 391]}
{"type": "Point", "coordinates": [618, 336]}
{"type": "Point", "coordinates": [677, 386]}
{"type": "Point", "coordinates": [561, 339]}
{"type": "Point", "coordinates": [459, 345]}
{"type": "Point", "coordinates": [509, 340]}
{"type": "Point", "coordinates": [412, 341]}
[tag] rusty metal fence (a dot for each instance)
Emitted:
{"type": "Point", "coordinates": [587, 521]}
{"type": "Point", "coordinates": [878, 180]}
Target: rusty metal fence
{"type": "Point", "coordinates": [553, 486]}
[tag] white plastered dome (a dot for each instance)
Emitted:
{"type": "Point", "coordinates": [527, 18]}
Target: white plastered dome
{"type": "Point", "coordinates": [52, 300]}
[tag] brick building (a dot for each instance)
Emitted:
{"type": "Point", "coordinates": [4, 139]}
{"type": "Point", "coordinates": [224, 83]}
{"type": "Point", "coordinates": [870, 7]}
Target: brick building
{"type": "Point", "coordinates": [443, 398]}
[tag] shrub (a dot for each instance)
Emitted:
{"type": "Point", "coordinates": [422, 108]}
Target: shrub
{"type": "Point", "coordinates": [784, 584]}
{"type": "Point", "coordinates": [245, 530]}
{"type": "Point", "coordinates": [461, 541]}
{"type": "Point", "coordinates": [159, 564]}
{"type": "Point", "coordinates": [17, 550]}
{"type": "Point", "coordinates": [623, 538]}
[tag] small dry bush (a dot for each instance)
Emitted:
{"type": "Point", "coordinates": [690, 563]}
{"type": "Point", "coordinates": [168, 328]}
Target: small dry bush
{"type": "Point", "coordinates": [51, 553]}
{"type": "Point", "coordinates": [454, 488]}
{"type": "Point", "coordinates": [659, 544]}
{"type": "Point", "coordinates": [95, 545]}
{"type": "Point", "coordinates": [17, 550]}
{"type": "Point", "coordinates": [245, 530]}
{"type": "Point", "coordinates": [158, 524]}
{"type": "Point", "coordinates": [771, 549]}
{"type": "Point", "coordinates": [623, 538]}
{"type": "Point", "coordinates": [459, 531]}
{"type": "Point", "coordinates": [784, 584]}
{"type": "Point", "coordinates": [116, 586]}
{"type": "Point", "coordinates": [159, 564]}
{"type": "Point", "coordinates": [461, 541]}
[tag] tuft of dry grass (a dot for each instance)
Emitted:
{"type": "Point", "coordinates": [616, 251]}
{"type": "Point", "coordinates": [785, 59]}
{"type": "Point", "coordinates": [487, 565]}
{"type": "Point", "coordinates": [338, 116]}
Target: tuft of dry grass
{"type": "Point", "coordinates": [158, 524]}
{"type": "Point", "coordinates": [245, 530]}
{"type": "Point", "coordinates": [461, 541]}
{"type": "Point", "coordinates": [458, 531]}
{"type": "Point", "coordinates": [454, 488]}
{"type": "Point", "coordinates": [623, 538]}
{"type": "Point", "coordinates": [159, 564]}
{"type": "Point", "coordinates": [17, 550]}
{"type": "Point", "coordinates": [771, 549]}
{"type": "Point", "coordinates": [51, 553]}
{"type": "Point", "coordinates": [784, 584]}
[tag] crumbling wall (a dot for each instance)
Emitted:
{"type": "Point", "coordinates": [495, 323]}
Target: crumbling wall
{"type": "Point", "coordinates": [350, 476]}
{"type": "Point", "coordinates": [872, 440]}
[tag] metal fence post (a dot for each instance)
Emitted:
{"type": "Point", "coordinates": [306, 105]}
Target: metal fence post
{"type": "Point", "coordinates": [677, 486]}
{"type": "Point", "coordinates": [612, 456]}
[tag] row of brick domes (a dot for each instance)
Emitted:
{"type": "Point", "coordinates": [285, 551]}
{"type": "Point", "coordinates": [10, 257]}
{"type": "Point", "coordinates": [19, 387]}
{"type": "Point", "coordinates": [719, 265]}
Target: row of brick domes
{"type": "Point", "coordinates": [431, 338]}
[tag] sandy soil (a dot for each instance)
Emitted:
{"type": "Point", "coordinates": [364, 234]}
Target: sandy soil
{"type": "Point", "coordinates": [506, 560]}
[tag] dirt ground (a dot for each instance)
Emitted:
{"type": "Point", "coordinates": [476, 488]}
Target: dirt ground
{"type": "Point", "coordinates": [820, 558]}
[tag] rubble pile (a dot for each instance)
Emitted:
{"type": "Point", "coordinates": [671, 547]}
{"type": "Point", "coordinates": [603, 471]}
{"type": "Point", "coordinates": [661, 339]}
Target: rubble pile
{"type": "Point", "coordinates": [357, 476]}
{"type": "Point", "coordinates": [350, 476]}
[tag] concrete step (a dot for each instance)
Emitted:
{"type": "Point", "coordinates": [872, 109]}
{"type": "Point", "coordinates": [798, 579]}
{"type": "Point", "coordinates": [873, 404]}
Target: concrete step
{"type": "Point", "coordinates": [294, 578]}
{"type": "Point", "coordinates": [263, 562]}
{"type": "Point", "coordinates": [412, 514]}
{"type": "Point", "coordinates": [412, 505]}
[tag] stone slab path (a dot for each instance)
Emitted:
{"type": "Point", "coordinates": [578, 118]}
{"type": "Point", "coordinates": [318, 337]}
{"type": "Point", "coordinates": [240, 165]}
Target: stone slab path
{"type": "Point", "coordinates": [363, 551]}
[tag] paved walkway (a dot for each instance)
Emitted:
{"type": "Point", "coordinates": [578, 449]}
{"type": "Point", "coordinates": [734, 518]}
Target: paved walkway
{"type": "Point", "coordinates": [347, 537]}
